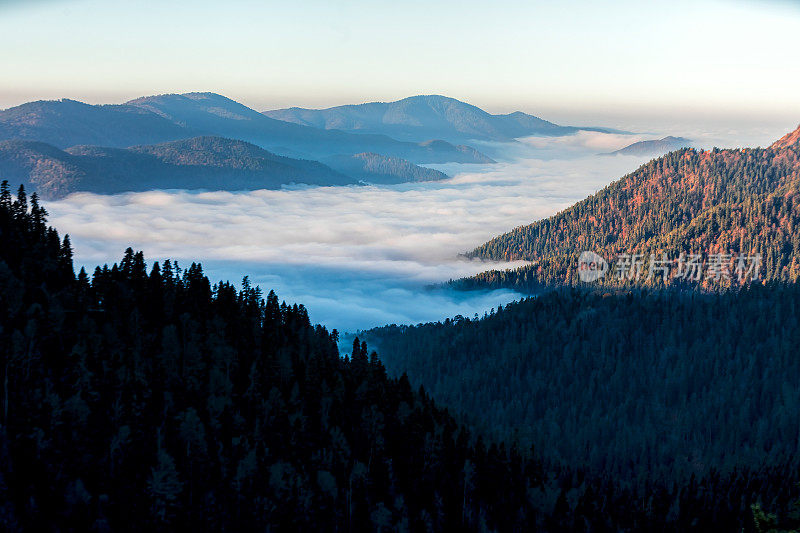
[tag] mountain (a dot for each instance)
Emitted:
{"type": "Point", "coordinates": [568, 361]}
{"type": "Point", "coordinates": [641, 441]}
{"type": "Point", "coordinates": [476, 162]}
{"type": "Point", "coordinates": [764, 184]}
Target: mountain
{"type": "Point", "coordinates": [654, 147]}
{"type": "Point", "coordinates": [215, 113]}
{"type": "Point", "coordinates": [733, 201]}
{"type": "Point", "coordinates": [66, 123]}
{"type": "Point", "coordinates": [424, 117]}
{"type": "Point", "coordinates": [149, 399]}
{"type": "Point", "coordinates": [210, 163]}
{"type": "Point", "coordinates": [378, 169]}
{"type": "Point", "coordinates": [639, 385]}
{"type": "Point", "coordinates": [156, 119]}
{"type": "Point", "coordinates": [790, 139]}
{"type": "Point", "coordinates": [213, 409]}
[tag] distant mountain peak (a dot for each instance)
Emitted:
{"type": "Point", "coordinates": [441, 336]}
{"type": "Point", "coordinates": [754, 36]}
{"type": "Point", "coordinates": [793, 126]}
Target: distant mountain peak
{"type": "Point", "coordinates": [437, 99]}
{"type": "Point", "coordinates": [195, 98]}
{"type": "Point", "coordinates": [186, 107]}
{"type": "Point", "coordinates": [424, 116]}
{"type": "Point", "coordinates": [168, 117]}
{"type": "Point", "coordinates": [195, 95]}
{"type": "Point", "coordinates": [205, 94]}
{"type": "Point", "coordinates": [654, 146]}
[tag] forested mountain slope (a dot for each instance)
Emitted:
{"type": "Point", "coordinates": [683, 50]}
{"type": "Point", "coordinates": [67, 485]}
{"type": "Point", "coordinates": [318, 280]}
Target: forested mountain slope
{"type": "Point", "coordinates": [210, 163]}
{"type": "Point", "coordinates": [148, 398]}
{"type": "Point", "coordinates": [734, 201]}
{"type": "Point", "coordinates": [139, 399]}
{"type": "Point", "coordinates": [646, 387]}
{"type": "Point", "coordinates": [378, 169]}
{"type": "Point", "coordinates": [66, 123]}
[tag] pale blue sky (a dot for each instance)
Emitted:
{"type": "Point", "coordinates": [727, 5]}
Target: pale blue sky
{"type": "Point", "coordinates": [719, 56]}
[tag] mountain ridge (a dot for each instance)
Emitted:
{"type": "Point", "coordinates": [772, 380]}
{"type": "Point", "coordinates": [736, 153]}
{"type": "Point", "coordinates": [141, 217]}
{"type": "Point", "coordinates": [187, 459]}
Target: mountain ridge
{"type": "Point", "coordinates": [170, 117]}
{"type": "Point", "coordinates": [424, 116]}
{"type": "Point", "coordinates": [653, 146]}
{"type": "Point", "coordinates": [207, 162]}
{"type": "Point", "coordinates": [377, 169]}
{"type": "Point", "coordinates": [211, 111]}
{"type": "Point", "coordinates": [64, 123]}
{"type": "Point", "coordinates": [790, 139]}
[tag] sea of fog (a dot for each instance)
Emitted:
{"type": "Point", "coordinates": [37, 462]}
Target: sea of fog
{"type": "Point", "coordinates": [360, 257]}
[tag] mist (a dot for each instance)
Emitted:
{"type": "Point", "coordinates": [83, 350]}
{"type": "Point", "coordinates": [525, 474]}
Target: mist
{"type": "Point", "coordinates": [358, 256]}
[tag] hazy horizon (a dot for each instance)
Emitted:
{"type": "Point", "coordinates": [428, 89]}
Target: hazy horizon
{"type": "Point", "coordinates": [707, 58]}
{"type": "Point", "coordinates": [758, 128]}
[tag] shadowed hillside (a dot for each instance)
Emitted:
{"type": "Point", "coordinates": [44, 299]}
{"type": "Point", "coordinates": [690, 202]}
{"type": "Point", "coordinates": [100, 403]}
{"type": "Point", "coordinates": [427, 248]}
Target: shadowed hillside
{"type": "Point", "coordinates": [378, 169]}
{"type": "Point", "coordinates": [210, 163]}
{"type": "Point", "coordinates": [148, 398]}
{"type": "Point", "coordinates": [637, 385]}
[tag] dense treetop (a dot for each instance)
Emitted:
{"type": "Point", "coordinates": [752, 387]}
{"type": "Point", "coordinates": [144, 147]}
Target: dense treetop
{"type": "Point", "coordinates": [649, 388]}
{"type": "Point", "coordinates": [734, 202]}
{"type": "Point", "coordinates": [148, 397]}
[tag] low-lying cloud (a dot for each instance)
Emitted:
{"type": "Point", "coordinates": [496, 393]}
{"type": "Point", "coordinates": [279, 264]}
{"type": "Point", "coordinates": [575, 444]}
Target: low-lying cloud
{"type": "Point", "coordinates": [356, 256]}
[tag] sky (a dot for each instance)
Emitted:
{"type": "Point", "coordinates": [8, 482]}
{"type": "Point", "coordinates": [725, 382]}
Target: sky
{"type": "Point", "coordinates": [564, 60]}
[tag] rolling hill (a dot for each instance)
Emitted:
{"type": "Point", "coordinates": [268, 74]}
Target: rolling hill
{"type": "Point", "coordinates": [65, 123]}
{"type": "Point", "coordinates": [156, 119]}
{"type": "Point", "coordinates": [424, 117]}
{"type": "Point", "coordinates": [210, 163]}
{"type": "Point", "coordinates": [654, 147]}
{"type": "Point", "coordinates": [378, 169]}
{"type": "Point", "coordinates": [733, 201]}
{"type": "Point", "coordinates": [215, 113]}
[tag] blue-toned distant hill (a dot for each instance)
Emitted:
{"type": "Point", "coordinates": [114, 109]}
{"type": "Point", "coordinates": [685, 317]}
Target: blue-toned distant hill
{"type": "Point", "coordinates": [157, 119]}
{"type": "Point", "coordinates": [211, 112]}
{"type": "Point", "coordinates": [210, 163]}
{"type": "Point", "coordinates": [425, 117]}
{"type": "Point", "coordinates": [378, 169]}
{"type": "Point", "coordinates": [65, 123]}
{"type": "Point", "coordinates": [654, 147]}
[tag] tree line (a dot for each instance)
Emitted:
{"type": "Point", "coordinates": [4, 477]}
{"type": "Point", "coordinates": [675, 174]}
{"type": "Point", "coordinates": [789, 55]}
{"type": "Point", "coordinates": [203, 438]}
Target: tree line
{"type": "Point", "coordinates": [144, 396]}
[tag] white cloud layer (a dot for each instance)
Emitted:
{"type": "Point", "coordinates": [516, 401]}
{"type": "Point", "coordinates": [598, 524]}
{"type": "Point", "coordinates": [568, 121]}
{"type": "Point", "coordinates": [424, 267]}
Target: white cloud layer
{"type": "Point", "coordinates": [357, 257]}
